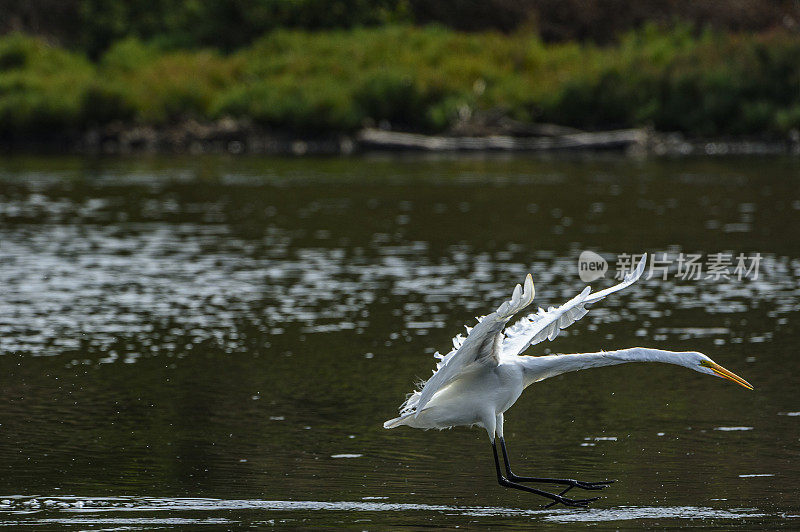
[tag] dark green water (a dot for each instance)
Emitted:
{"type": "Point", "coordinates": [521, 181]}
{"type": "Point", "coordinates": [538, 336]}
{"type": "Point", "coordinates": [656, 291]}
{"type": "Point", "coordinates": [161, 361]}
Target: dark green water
{"type": "Point", "coordinates": [213, 343]}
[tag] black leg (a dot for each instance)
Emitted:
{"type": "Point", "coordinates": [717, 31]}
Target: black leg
{"type": "Point", "coordinates": [570, 483]}
{"type": "Point", "coordinates": [503, 481]}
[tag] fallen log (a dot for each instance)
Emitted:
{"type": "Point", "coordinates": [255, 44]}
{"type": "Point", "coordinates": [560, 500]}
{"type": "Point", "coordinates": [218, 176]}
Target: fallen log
{"type": "Point", "coordinates": [605, 140]}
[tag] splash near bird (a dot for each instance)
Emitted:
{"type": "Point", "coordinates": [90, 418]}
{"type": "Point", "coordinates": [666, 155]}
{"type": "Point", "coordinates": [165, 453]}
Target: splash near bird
{"type": "Point", "coordinates": [485, 373]}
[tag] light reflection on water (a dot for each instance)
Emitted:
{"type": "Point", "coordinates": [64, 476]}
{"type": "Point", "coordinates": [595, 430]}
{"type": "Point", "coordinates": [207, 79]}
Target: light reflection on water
{"type": "Point", "coordinates": [79, 287]}
{"type": "Point", "coordinates": [94, 511]}
{"type": "Point", "coordinates": [240, 328]}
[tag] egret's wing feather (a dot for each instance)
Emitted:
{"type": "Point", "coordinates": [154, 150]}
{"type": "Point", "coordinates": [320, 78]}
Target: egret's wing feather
{"type": "Point", "coordinates": [629, 279]}
{"type": "Point", "coordinates": [547, 324]}
{"type": "Point", "coordinates": [480, 345]}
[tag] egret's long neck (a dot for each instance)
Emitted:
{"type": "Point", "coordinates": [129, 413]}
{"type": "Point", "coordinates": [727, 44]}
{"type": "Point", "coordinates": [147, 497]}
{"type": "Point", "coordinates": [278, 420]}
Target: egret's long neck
{"type": "Point", "coordinates": [544, 367]}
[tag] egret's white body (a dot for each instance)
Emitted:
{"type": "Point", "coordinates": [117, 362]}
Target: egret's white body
{"type": "Point", "coordinates": [485, 373]}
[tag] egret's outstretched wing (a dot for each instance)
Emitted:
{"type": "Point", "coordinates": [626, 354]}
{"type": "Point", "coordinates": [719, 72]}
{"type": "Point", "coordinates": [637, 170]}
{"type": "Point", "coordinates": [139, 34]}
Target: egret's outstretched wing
{"type": "Point", "coordinates": [534, 328]}
{"type": "Point", "coordinates": [480, 345]}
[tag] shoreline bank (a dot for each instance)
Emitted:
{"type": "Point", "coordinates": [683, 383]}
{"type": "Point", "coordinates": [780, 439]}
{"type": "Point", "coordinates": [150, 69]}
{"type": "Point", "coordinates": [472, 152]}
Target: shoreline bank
{"type": "Point", "coordinates": [240, 137]}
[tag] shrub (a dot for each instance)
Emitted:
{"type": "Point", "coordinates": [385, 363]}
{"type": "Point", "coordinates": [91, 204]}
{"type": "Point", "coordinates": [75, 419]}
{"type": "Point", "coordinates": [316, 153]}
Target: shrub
{"type": "Point", "coordinates": [163, 86]}
{"type": "Point", "coordinates": [311, 109]}
{"type": "Point", "coordinates": [41, 88]}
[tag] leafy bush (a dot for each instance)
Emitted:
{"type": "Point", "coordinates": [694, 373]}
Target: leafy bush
{"type": "Point", "coordinates": [163, 86]}
{"type": "Point", "coordinates": [313, 108]}
{"type": "Point", "coordinates": [41, 88]}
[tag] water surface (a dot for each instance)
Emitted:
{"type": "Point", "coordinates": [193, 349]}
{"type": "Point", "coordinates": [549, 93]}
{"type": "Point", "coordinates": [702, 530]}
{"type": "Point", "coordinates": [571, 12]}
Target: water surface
{"type": "Point", "coordinates": [215, 342]}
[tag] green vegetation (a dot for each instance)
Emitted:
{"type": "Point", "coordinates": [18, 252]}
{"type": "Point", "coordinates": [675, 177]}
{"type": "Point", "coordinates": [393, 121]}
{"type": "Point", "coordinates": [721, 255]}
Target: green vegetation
{"type": "Point", "coordinates": [41, 88]}
{"type": "Point", "coordinates": [416, 78]}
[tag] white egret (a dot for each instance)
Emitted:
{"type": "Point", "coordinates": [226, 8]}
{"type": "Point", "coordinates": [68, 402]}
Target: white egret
{"type": "Point", "coordinates": [485, 373]}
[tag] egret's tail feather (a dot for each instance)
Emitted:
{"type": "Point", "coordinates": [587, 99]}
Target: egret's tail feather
{"type": "Point", "coordinates": [396, 422]}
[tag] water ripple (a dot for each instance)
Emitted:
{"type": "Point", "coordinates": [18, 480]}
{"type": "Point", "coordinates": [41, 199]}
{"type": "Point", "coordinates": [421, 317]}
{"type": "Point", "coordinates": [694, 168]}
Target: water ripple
{"type": "Point", "coordinates": [27, 505]}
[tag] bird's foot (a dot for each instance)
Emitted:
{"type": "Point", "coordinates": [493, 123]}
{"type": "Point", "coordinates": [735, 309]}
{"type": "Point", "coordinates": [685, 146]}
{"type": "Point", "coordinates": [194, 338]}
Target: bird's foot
{"type": "Point", "coordinates": [581, 503]}
{"type": "Point", "coordinates": [586, 486]}
{"type": "Point", "coordinates": [576, 503]}
{"type": "Point", "coordinates": [570, 483]}
{"type": "Point", "coordinates": [590, 485]}
{"type": "Point", "coordinates": [556, 498]}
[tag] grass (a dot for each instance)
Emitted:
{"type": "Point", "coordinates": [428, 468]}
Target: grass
{"type": "Point", "coordinates": [416, 78]}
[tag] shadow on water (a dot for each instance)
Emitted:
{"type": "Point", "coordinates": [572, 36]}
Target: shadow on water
{"type": "Point", "coordinates": [239, 329]}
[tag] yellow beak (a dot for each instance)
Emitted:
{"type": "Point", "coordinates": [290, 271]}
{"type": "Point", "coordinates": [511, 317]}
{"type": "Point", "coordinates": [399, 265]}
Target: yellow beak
{"type": "Point", "coordinates": [725, 374]}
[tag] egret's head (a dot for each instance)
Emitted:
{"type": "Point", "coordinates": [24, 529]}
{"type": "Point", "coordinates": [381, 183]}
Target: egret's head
{"type": "Point", "coordinates": [703, 364]}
